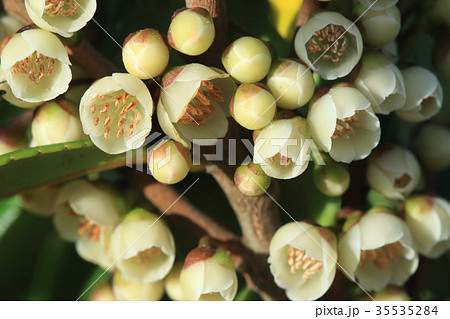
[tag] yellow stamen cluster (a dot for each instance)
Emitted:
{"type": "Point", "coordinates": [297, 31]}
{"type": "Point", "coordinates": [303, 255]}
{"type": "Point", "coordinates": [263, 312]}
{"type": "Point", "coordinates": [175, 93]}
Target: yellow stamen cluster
{"type": "Point", "coordinates": [89, 230]}
{"type": "Point", "coordinates": [144, 256]}
{"type": "Point", "coordinates": [331, 40]}
{"type": "Point", "coordinates": [64, 7]}
{"type": "Point", "coordinates": [381, 257]}
{"type": "Point", "coordinates": [299, 260]}
{"type": "Point", "coordinates": [281, 159]}
{"type": "Point", "coordinates": [344, 126]}
{"type": "Point", "coordinates": [36, 66]}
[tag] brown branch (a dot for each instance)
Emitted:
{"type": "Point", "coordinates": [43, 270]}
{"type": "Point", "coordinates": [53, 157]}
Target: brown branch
{"type": "Point", "coordinates": [217, 10]}
{"type": "Point", "coordinates": [86, 56]}
{"type": "Point", "coordinates": [257, 216]}
{"type": "Point", "coordinates": [308, 6]}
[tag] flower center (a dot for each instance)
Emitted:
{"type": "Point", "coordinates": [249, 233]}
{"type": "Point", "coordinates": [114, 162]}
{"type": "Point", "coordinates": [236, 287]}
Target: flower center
{"type": "Point", "coordinates": [64, 7]}
{"type": "Point", "coordinates": [36, 66]}
{"type": "Point", "coordinates": [402, 181]}
{"type": "Point", "coordinates": [144, 256]}
{"type": "Point", "coordinates": [119, 106]}
{"type": "Point", "coordinates": [299, 260]}
{"type": "Point", "coordinates": [197, 111]}
{"type": "Point", "coordinates": [344, 126]}
{"type": "Point", "coordinates": [329, 40]}
{"type": "Point", "coordinates": [280, 159]}
{"type": "Point", "coordinates": [89, 230]}
{"type": "Point", "coordinates": [381, 257]}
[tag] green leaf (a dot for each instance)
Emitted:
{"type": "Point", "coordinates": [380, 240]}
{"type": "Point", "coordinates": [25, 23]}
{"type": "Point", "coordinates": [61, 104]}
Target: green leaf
{"type": "Point", "coordinates": [49, 164]}
{"type": "Point", "coordinates": [9, 212]}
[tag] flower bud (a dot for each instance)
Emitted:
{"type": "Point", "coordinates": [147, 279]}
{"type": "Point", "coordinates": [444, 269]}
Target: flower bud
{"type": "Point", "coordinates": [282, 148]}
{"type": "Point", "coordinates": [432, 147]}
{"type": "Point", "coordinates": [381, 82]}
{"type": "Point", "coordinates": [9, 25]}
{"type": "Point", "coordinates": [172, 283]}
{"type": "Point", "coordinates": [191, 31]}
{"type": "Point", "coordinates": [143, 247]}
{"type": "Point", "coordinates": [251, 180]}
{"type": "Point", "coordinates": [378, 27]}
{"type": "Point", "coordinates": [127, 290]}
{"type": "Point", "coordinates": [40, 201]}
{"type": "Point", "coordinates": [102, 292]}
{"type": "Point", "coordinates": [343, 123]}
{"type": "Point", "coordinates": [169, 162]}
{"type": "Point", "coordinates": [36, 65]}
{"type": "Point", "coordinates": [253, 106]}
{"type": "Point", "coordinates": [302, 259]}
{"type": "Point", "coordinates": [61, 16]}
{"type": "Point", "coordinates": [291, 83]}
{"type": "Point", "coordinates": [428, 218]}
{"type": "Point", "coordinates": [247, 59]}
{"type": "Point", "coordinates": [390, 51]}
{"type": "Point", "coordinates": [378, 250]}
{"type": "Point", "coordinates": [393, 171]}
{"type": "Point", "coordinates": [145, 54]}
{"type": "Point", "coordinates": [208, 275]}
{"type": "Point", "coordinates": [87, 212]}
{"type": "Point", "coordinates": [194, 104]}
{"type": "Point", "coordinates": [390, 293]}
{"type": "Point", "coordinates": [378, 4]}
{"type": "Point", "coordinates": [424, 95]}
{"type": "Point", "coordinates": [116, 113]}
{"type": "Point", "coordinates": [332, 179]}
{"type": "Point", "coordinates": [330, 44]}
{"type": "Point", "coordinates": [57, 122]}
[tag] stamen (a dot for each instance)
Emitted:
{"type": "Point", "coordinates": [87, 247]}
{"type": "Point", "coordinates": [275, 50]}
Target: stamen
{"type": "Point", "coordinates": [344, 127]}
{"type": "Point", "coordinates": [96, 120]}
{"type": "Point", "coordinates": [64, 7]}
{"type": "Point", "coordinates": [402, 181]}
{"type": "Point", "coordinates": [121, 121]}
{"type": "Point", "coordinates": [144, 256]}
{"type": "Point", "coordinates": [105, 108]}
{"type": "Point", "coordinates": [89, 230]}
{"type": "Point", "coordinates": [34, 67]}
{"type": "Point", "coordinates": [298, 260]}
{"type": "Point", "coordinates": [107, 129]}
{"type": "Point", "coordinates": [281, 159]}
{"type": "Point", "coordinates": [120, 133]}
{"type": "Point", "coordinates": [322, 40]}
{"type": "Point", "coordinates": [107, 120]}
{"type": "Point", "coordinates": [381, 257]}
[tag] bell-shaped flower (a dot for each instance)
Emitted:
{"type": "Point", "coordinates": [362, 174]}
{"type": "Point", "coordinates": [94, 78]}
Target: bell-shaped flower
{"type": "Point", "coordinates": [208, 275]}
{"type": "Point", "coordinates": [432, 147]}
{"type": "Point", "coordinates": [9, 96]}
{"type": "Point", "coordinates": [390, 293]}
{"type": "Point", "coordinates": [128, 290]}
{"type": "Point", "coordinates": [283, 147]}
{"type": "Point", "coordinates": [87, 212]}
{"type": "Point", "coordinates": [143, 247]}
{"type": "Point", "coordinates": [393, 171]}
{"type": "Point", "coordinates": [428, 219]}
{"type": "Point", "coordinates": [102, 292]}
{"type": "Point", "coordinates": [302, 259]}
{"type": "Point", "coordinates": [172, 284]}
{"type": "Point", "coordinates": [9, 25]}
{"type": "Point", "coordinates": [36, 65]}
{"type": "Point", "coordinates": [332, 179]}
{"type": "Point", "coordinates": [381, 82]}
{"type": "Point", "coordinates": [291, 83]}
{"type": "Point", "coordinates": [343, 124]}
{"type": "Point", "coordinates": [378, 4]}
{"type": "Point", "coordinates": [378, 27]}
{"type": "Point", "coordinates": [40, 200]}
{"type": "Point", "coordinates": [61, 16]}
{"type": "Point", "coordinates": [56, 122]}
{"type": "Point", "coordinates": [116, 113]}
{"type": "Point", "coordinates": [169, 162]}
{"type": "Point", "coordinates": [424, 95]}
{"type": "Point", "coordinates": [377, 249]}
{"type": "Point", "coordinates": [330, 44]}
{"type": "Point", "coordinates": [194, 104]}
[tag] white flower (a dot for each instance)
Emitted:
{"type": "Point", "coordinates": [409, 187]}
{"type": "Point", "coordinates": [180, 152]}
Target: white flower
{"type": "Point", "coordinates": [428, 219]}
{"type": "Point", "coordinates": [378, 27]}
{"type": "Point", "coordinates": [41, 200]}
{"type": "Point", "coordinates": [172, 283]}
{"type": "Point", "coordinates": [282, 148]}
{"type": "Point", "coordinates": [208, 275]}
{"type": "Point", "coordinates": [61, 16]}
{"type": "Point", "coordinates": [381, 82]}
{"type": "Point", "coordinates": [393, 171]}
{"type": "Point", "coordinates": [330, 44]}
{"type": "Point", "coordinates": [432, 147]}
{"type": "Point", "coordinates": [116, 113]}
{"type": "Point", "coordinates": [9, 96]}
{"type": "Point", "coordinates": [378, 250]}
{"type": "Point", "coordinates": [291, 83]}
{"type": "Point", "coordinates": [378, 4]}
{"type": "Point", "coordinates": [56, 122]}
{"type": "Point", "coordinates": [302, 260]}
{"type": "Point", "coordinates": [128, 290]}
{"type": "Point", "coordinates": [194, 104]}
{"type": "Point", "coordinates": [36, 65]}
{"type": "Point", "coordinates": [145, 246]}
{"type": "Point", "coordinates": [424, 95]}
{"type": "Point", "coordinates": [343, 123]}
{"type": "Point", "coordinates": [87, 213]}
